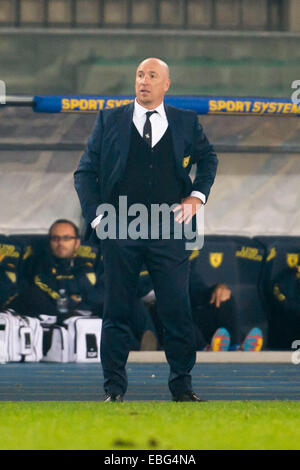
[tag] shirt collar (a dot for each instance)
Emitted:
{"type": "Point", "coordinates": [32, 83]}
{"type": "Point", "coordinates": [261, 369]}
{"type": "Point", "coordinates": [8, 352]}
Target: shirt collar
{"type": "Point", "coordinates": [140, 111]}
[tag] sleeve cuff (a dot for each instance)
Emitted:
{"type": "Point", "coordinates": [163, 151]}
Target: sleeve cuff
{"type": "Point", "coordinates": [96, 221]}
{"type": "Point", "coordinates": [199, 195]}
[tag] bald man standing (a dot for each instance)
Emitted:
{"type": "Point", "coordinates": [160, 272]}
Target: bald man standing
{"type": "Point", "coordinates": [145, 151]}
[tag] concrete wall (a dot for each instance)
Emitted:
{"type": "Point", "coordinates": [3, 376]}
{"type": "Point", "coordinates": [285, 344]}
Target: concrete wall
{"type": "Point", "coordinates": [104, 62]}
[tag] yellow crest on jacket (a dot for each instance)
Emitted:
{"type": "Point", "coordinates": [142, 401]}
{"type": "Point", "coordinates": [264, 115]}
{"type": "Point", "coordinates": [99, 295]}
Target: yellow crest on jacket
{"type": "Point", "coordinates": [215, 259]}
{"type": "Point", "coordinates": [186, 161]}
{"type": "Point", "coordinates": [292, 259]}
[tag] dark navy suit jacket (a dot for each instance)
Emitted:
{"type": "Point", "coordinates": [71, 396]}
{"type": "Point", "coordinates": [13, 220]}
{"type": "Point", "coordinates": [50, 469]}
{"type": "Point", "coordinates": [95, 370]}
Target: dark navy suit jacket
{"type": "Point", "coordinates": [105, 157]}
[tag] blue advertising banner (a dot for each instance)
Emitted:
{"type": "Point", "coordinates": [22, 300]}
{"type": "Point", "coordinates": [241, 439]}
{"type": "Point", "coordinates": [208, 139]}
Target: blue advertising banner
{"type": "Point", "coordinates": [201, 105]}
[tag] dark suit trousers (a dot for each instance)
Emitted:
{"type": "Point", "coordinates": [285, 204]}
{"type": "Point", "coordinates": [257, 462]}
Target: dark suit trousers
{"type": "Point", "coordinates": [168, 265]}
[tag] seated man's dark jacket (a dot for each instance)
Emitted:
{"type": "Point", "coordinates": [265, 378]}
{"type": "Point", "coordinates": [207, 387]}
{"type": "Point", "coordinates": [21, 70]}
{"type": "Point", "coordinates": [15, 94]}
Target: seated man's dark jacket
{"type": "Point", "coordinates": [200, 293]}
{"type": "Point", "coordinates": [10, 258]}
{"type": "Point", "coordinates": [47, 274]}
{"type": "Point", "coordinates": [286, 291]}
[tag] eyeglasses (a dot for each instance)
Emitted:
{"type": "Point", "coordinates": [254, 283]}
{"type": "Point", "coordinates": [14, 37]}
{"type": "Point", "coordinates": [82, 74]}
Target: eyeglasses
{"type": "Point", "coordinates": [64, 238]}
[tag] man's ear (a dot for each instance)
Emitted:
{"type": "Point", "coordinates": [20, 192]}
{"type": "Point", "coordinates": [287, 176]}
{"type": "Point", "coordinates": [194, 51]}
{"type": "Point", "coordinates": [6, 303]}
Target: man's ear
{"type": "Point", "coordinates": [168, 84]}
{"type": "Point", "coordinates": [77, 244]}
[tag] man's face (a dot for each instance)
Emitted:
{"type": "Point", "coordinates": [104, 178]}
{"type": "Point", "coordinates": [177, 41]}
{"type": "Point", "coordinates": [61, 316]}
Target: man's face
{"type": "Point", "coordinates": [63, 241]}
{"type": "Point", "coordinates": [152, 82]}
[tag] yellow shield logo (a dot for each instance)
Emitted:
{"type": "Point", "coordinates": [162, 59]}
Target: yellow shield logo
{"type": "Point", "coordinates": [185, 161]}
{"type": "Point", "coordinates": [292, 259]}
{"type": "Point", "coordinates": [215, 259]}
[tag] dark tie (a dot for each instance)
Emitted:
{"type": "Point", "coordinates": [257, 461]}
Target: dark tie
{"type": "Point", "coordinates": [147, 131]}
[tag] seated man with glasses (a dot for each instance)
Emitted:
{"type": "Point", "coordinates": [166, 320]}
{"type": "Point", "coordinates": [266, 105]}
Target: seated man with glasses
{"type": "Point", "coordinates": [59, 283]}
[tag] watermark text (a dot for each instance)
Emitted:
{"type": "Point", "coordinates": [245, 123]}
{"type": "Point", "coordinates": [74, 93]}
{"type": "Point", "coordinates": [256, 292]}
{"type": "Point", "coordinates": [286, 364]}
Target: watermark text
{"type": "Point", "coordinates": [296, 94]}
{"type": "Point", "coordinates": [148, 223]}
{"type": "Point", "coordinates": [2, 92]}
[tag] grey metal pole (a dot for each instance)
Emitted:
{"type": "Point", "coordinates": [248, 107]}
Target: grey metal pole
{"type": "Point", "coordinates": [13, 100]}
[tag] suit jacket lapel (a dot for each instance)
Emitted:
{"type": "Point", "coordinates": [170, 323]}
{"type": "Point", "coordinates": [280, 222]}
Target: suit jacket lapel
{"type": "Point", "coordinates": [124, 132]}
{"type": "Point", "coordinates": [176, 128]}
{"type": "Point", "coordinates": [121, 132]}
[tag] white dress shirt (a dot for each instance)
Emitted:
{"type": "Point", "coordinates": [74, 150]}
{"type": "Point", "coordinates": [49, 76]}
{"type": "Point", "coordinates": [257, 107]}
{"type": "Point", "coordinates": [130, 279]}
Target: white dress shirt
{"type": "Point", "coordinates": [159, 121]}
{"type": "Point", "coordinates": [159, 125]}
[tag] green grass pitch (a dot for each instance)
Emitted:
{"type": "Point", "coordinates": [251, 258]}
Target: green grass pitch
{"type": "Point", "coordinates": [149, 425]}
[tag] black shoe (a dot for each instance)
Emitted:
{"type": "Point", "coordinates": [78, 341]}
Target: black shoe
{"type": "Point", "coordinates": [113, 397]}
{"type": "Point", "coordinates": [187, 396]}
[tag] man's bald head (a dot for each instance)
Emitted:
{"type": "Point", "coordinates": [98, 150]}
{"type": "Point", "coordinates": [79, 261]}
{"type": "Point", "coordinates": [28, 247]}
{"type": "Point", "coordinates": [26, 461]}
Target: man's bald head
{"type": "Point", "coordinates": [152, 82]}
{"type": "Point", "coordinates": [155, 62]}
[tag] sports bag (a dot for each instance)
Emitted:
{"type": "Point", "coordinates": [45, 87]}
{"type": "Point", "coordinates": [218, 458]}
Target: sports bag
{"type": "Point", "coordinates": [21, 338]}
{"type": "Point", "coordinates": [77, 340]}
{"type": "Point", "coordinates": [55, 343]}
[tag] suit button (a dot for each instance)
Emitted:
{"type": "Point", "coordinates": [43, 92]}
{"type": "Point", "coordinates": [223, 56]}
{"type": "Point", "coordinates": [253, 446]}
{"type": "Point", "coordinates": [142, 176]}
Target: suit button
{"type": "Point", "coordinates": [151, 166]}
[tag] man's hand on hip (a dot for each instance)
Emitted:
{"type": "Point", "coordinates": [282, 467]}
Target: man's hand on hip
{"type": "Point", "coordinates": [187, 209]}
